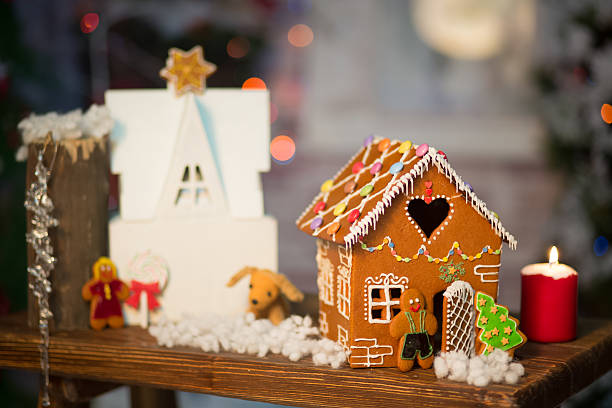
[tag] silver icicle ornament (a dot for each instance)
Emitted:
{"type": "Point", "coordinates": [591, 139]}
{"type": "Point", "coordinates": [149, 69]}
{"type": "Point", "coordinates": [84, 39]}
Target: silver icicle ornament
{"type": "Point", "coordinates": [39, 203]}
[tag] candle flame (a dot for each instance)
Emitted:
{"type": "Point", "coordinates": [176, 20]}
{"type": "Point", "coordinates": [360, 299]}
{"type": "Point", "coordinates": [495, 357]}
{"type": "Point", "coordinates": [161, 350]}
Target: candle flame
{"type": "Point", "coordinates": [553, 255]}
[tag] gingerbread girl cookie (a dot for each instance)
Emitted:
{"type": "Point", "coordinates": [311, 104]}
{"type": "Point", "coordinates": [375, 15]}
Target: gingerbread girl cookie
{"type": "Point", "coordinates": [105, 292]}
{"type": "Point", "coordinates": [412, 327]}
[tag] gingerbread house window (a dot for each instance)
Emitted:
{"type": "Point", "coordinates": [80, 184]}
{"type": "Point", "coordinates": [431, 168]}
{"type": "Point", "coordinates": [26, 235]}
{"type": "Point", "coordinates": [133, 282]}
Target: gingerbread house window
{"type": "Point", "coordinates": [325, 281]}
{"type": "Point", "coordinates": [344, 291]}
{"type": "Point", "coordinates": [343, 339]}
{"type": "Point", "coordinates": [323, 324]}
{"type": "Point", "coordinates": [192, 189]}
{"type": "Point", "coordinates": [384, 297]}
{"type": "Point", "coordinates": [345, 256]}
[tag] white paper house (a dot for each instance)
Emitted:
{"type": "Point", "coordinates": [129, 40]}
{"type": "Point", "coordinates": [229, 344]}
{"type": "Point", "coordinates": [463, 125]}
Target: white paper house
{"type": "Point", "coordinates": [190, 192]}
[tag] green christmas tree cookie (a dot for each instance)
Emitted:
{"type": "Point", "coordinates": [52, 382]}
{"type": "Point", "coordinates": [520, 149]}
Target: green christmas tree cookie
{"type": "Point", "coordinates": [498, 329]}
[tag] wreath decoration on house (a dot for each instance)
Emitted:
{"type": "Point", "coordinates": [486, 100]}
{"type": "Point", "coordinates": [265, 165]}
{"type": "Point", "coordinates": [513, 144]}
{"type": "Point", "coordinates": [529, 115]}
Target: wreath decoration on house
{"type": "Point", "coordinates": [451, 272]}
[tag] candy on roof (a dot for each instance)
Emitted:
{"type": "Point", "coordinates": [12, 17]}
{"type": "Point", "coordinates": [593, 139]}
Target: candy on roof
{"type": "Point", "coordinates": [350, 203]}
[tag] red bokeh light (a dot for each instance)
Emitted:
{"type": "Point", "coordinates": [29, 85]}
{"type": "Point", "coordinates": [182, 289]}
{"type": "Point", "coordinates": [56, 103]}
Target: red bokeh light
{"type": "Point", "coordinates": [300, 35]}
{"type": "Point", "coordinates": [606, 113]}
{"type": "Point", "coordinates": [90, 22]}
{"type": "Point", "coordinates": [238, 47]}
{"type": "Point", "coordinates": [282, 149]}
{"type": "Point", "coordinates": [254, 83]}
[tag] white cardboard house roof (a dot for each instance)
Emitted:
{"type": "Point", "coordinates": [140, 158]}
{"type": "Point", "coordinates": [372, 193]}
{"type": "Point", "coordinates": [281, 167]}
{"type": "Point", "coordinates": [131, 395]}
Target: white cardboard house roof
{"type": "Point", "coordinates": [237, 126]}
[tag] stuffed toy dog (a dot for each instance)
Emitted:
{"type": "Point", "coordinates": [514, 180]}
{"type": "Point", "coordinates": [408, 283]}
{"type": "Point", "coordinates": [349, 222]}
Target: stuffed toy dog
{"type": "Point", "coordinates": [265, 300]}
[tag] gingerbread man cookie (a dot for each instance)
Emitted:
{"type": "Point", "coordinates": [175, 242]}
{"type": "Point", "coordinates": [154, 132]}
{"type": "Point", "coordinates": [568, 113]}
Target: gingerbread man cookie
{"type": "Point", "coordinates": [412, 327]}
{"type": "Point", "coordinates": [105, 292]}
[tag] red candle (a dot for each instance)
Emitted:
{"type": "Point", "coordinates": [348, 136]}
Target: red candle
{"type": "Point", "coordinates": [548, 301]}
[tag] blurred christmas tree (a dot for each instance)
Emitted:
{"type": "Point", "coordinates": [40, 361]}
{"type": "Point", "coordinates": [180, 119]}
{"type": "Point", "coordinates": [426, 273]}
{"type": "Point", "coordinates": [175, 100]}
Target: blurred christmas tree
{"type": "Point", "coordinates": [14, 65]}
{"type": "Point", "coordinates": [574, 76]}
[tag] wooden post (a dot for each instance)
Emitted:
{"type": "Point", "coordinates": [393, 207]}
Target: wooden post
{"type": "Point", "coordinates": [146, 397]}
{"type": "Point", "coordinates": [80, 391]}
{"type": "Point", "coordinates": [79, 189]}
{"type": "Point", "coordinates": [74, 393]}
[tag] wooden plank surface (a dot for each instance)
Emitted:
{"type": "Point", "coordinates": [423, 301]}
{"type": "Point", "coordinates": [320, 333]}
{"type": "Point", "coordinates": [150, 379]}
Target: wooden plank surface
{"type": "Point", "coordinates": [131, 356]}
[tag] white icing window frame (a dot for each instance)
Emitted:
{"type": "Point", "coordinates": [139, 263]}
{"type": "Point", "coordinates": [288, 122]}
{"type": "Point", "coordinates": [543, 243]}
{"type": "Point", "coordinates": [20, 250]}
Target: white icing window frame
{"type": "Point", "coordinates": [343, 294]}
{"type": "Point", "coordinates": [325, 280]}
{"type": "Point", "coordinates": [343, 338]}
{"type": "Point", "coordinates": [326, 286]}
{"type": "Point", "coordinates": [384, 282]}
{"type": "Point", "coordinates": [493, 274]}
{"type": "Point", "coordinates": [323, 324]}
{"type": "Point", "coordinates": [346, 256]}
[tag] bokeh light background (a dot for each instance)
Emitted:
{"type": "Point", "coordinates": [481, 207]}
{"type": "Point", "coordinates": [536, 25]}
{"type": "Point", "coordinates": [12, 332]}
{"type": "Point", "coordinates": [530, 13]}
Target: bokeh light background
{"type": "Point", "coordinates": [456, 74]}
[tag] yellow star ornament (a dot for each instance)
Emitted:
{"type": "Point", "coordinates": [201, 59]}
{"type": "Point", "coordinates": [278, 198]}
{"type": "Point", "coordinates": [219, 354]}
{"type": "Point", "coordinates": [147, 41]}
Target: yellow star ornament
{"type": "Point", "coordinates": [187, 70]}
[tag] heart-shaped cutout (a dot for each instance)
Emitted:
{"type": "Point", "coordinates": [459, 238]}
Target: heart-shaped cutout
{"type": "Point", "coordinates": [428, 184]}
{"type": "Point", "coordinates": [428, 216]}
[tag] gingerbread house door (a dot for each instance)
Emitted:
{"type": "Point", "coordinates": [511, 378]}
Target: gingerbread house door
{"type": "Point", "coordinates": [458, 332]}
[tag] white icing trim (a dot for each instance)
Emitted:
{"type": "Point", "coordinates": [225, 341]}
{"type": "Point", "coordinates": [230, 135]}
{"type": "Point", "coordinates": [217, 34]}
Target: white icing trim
{"type": "Point", "coordinates": [483, 274]}
{"type": "Point", "coordinates": [384, 282]}
{"type": "Point", "coordinates": [445, 221]}
{"type": "Point", "coordinates": [323, 324]}
{"type": "Point", "coordinates": [361, 228]}
{"type": "Point", "coordinates": [325, 279]}
{"type": "Point", "coordinates": [320, 195]}
{"type": "Point", "coordinates": [479, 205]}
{"type": "Point", "coordinates": [345, 254]}
{"type": "Point", "coordinates": [348, 197]}
{"type": "Point", "coordinates": [369, 357]}
{"type": "Point", "coordinates": [343, 291]}
{"type": "Point", "coordinates": [343, 338]}
{"type": "Point", "coordinates": [457, 288]}
{"type": "Point", "coordinates": [459, 297]}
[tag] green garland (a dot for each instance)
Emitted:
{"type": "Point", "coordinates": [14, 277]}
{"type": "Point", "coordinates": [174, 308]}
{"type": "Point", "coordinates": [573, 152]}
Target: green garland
{"type": "Point", "coordinates": [451, 272]}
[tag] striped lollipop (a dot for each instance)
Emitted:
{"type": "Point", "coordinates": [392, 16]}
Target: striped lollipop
{"type": "Point", "coordinates": [148, 274]}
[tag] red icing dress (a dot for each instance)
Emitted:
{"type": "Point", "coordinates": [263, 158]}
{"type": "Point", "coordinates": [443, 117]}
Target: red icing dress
{"type": "Point", "coordinates": [106, 300]}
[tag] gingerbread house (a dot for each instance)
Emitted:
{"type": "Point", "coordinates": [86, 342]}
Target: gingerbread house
{"type": "Point", "coordinates": [398, 216]}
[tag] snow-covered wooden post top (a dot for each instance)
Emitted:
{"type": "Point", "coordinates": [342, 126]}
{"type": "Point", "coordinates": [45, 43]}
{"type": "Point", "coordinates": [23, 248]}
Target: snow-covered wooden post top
{"type": "Point", "coordinates": [189, 160]}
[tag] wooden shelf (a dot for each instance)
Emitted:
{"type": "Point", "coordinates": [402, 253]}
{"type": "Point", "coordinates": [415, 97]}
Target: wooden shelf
{"type": "Point", "coordinates": [131, 356]}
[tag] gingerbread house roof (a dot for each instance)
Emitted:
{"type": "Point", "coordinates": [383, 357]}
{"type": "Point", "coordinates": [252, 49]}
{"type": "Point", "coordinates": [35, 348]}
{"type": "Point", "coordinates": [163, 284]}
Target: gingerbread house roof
{"type": "Point", "coordinates": [350, 204]}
